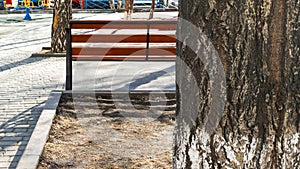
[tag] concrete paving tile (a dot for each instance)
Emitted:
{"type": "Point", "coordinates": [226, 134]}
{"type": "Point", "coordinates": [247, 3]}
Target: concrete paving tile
{"type": "Point", "coordinates": [12, 134]}
{"type": "Point", "coordinates": [5, 158]}
{"type": "Point", "coordinates": [20, 130]}
{"type": "Point", "coordinates": [23, 122]}
{"type": "Point", "coordinates": [9, 153]}
{"type": "Point", "coordinates": [22, 126]}
{"type": "Point", "coordinates": [16, 146]}
{"type": "Point", "coordinates": [5, 164]}
{"type": "Point", "coordinates": [6, 130]}
{"type": "Point", "coordinates": [26, 138]}
{"type": "Point", "coordinates": [13, 138]}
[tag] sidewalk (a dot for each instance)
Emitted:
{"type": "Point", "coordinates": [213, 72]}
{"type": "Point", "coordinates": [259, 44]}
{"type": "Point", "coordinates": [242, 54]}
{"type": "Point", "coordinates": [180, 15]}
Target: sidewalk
{"type": "Point", "coordinates": [26, 82]}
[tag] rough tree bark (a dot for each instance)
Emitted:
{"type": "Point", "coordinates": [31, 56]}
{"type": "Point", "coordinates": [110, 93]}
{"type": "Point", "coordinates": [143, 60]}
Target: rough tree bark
{"type": "Point", "coordinates": [62, 13]}
{"type": "Point", "coordinates": [258, 44]}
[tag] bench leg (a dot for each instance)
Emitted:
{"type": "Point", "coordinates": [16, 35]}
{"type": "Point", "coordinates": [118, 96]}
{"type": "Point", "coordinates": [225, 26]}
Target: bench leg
{"type": "Point", "coordinates": [68, 60]}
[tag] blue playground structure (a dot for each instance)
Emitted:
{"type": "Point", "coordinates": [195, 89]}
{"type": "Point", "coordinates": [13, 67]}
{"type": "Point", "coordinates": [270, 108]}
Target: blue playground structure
{"type": "Point", "coordinates": [97, 4]}
{"type": "Point", "coordinates": [104, 4]}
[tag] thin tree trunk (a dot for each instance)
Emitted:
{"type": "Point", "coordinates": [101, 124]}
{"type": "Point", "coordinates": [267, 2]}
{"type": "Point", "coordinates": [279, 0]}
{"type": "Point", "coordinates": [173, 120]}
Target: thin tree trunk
{"type": "Point", "coordinates": [258, 45]}
{"type": "Point", "coordinates": [128, 9]}
{"type": "Point", "coordinates": [112, 4]}
{"type": "Point", "coordinates": [62, 13]}
{"type": "Point", "coordinates": [119, 6]}
{"type": "Point", "coordinates": [152, 9]}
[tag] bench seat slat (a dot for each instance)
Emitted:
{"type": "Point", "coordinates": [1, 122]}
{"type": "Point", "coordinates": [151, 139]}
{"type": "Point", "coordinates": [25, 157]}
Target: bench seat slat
{"type": "Point", "coordinates": [163, 26]}
{"type": "Point", "coordinates": [122, 58]}
{"type": "Point", "coordinates": [108, 26]}
{"type": "Point", "coordinates": [162, 39]}
{"type": "Point", "coordinates": [102, 24]}
{"type": "Point", "coordinates": [162, 51]}
{"type": "Point", "coordinates": [109, 38]}
{"type": "Point", "coordinates": [121, 51]}
{"type": "Point", "coordinates": [123, 26]}
{"type": "Point", "coordinates": [108, 51]}
{"type": "Point", "coordinates": [115, 38]}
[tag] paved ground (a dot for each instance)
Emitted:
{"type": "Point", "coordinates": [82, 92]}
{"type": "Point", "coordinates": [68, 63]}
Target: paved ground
{"type": "Point", "coordinates": [26, 82]}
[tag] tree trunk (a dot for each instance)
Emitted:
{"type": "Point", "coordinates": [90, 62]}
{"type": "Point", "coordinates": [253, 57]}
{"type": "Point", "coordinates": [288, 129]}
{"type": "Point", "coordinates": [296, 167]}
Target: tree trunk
{"type": "Point", "coordinates": [112, 4]}
{"type": "Point", "coordinates": [62, 13]}
{"type": "Point", "coordinates": [128, 9]}
{"type": "Point", "coordinates": [238, 84]}
{"type": "Point", "coordinates": [152, 9]}
{"type": "Point", "coordinates": [119, 6]}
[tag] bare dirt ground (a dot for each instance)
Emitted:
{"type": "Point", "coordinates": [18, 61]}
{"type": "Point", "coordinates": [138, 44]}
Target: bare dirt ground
{"type": "Point", "coordinates": [111, 132]}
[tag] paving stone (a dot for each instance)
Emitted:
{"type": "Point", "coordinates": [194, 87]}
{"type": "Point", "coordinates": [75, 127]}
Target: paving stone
{"type": "Point", "coordinates": [30, 130]}
{"type": "Point", "coordinates": [12, 153]}
{"type": "Point", "coordinates": [11, 138]}
{"type": "Point", "coordinates": [20, 130]}
{"type": "Point", "coordinates": [26, 138]}
{"type": "Point", "coordinates": [11, 134]}
{"type": "Point", "coordinates": [5, 164]}
{"type": "Point", "coordinates": [23, 126]}
{"type": "Point", "coordinates": [15, 147]}
{"type": "Point", "coordinates": [5, 130]}
{"type": "Point", "coordinates": [23, 122]}
{"type": "Point", "coordinates": [5, 158]}
{"type": "Point", "coordinates": [32, 122]}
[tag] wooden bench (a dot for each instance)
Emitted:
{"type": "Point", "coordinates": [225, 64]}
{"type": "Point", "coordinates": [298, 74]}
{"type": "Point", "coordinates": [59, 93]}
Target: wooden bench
{"type": "Point", "coordinates": [98, 40]}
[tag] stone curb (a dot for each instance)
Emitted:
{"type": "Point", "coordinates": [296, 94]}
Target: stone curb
{"type": "Point", "coordinates": [38, 139]}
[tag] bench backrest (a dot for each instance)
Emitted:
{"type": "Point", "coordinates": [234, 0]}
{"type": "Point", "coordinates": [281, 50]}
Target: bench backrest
{"type": "Point", "coordinates": [99, 40]}
{"type": "Point", "coordinates": [122, 40]}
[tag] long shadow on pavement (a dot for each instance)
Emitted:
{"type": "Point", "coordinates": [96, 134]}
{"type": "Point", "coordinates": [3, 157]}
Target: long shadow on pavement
{"type": "Point", "coordinates": [147, 79]}
{"type": "Point", "coordinates": [21, 63]}
{"type": "Point", "coordinates": [23, 42]}
{"type": "Point", "coordinates": [108, 82]}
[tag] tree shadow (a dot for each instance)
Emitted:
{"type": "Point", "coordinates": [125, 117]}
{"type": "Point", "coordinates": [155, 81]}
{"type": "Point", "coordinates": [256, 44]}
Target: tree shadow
{"type": "Point", "coordinates": [23, 42]}
{"type": "Point", "coordinates": [146, 79]}
{"type": "Point", "coordinates": [21, 63]}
